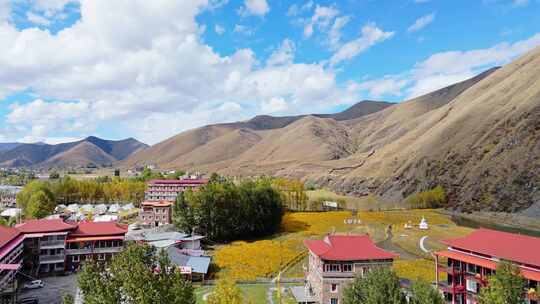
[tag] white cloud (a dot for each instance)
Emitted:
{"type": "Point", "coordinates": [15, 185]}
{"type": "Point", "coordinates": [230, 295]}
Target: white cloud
{"type": "Point", "coordinates": [274, 105]}
{"type": "Point", "coordinates": [421, 22]}
{"type": "Point", "coordinates": [370, 35]}
{"type": "Point", "coordinates": [335, 32]}
{"type": "Point", "coordinates": [254, 8]}
{"type": "Point", "coordinates": [283, 55]}
{"type": "Point", "coordinates": [148, 75]}
{"type": "Point", "coordinates": [295, 10]}
{"type": "Point", "coordinates": [37, 19]}
{"type": "Point", "coordinates": [445, 68]}
{"type": "Point", "coordinates": [242, 29]}
{"type": "Point", "coordinates": [322, 17]}
{"type": "Point", "coordinates": [219, 29]}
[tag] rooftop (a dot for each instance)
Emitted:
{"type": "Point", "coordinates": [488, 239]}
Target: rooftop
{"type": "Point", "coordinates": [514, 247]}
{"type": "Point", "coordinates": [199, 181]}
{"type": "Point", "coordinates": [7, 234]}
{"type": "Point", "coordinates": [99, 229]}
{"type": "Point", "coordinates": [44, 225]}
{"type": "Point", "coordinates": [157, 204]}
{"type": "Point", "coordinates": [347, 248]}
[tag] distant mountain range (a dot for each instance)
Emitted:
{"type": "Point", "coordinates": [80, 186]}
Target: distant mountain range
{"type": "Point", "coordinates": [479, 139]}
{"type": "Point", "coordinates": [79, 153]}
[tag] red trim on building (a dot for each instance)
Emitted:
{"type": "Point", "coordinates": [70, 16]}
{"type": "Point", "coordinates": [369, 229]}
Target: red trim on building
{"type": "Point", "coordinates": [157, 204]}
{"type": "Point", "coordinates": [7, 234]}
{"type": "Point", "coordinates": [88, 229]}
{"type": "Point", "coordinates": [44, 225]}
{"type": "Point", "coordinates": [178, 182]}
{"type": "Point", "coordinates": [467, 258]}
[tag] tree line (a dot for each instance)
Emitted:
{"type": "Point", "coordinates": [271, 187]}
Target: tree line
{"type": "Point", "coordinates": [226, 211]}
{"type": "Point", "coordinates": [39, 198]}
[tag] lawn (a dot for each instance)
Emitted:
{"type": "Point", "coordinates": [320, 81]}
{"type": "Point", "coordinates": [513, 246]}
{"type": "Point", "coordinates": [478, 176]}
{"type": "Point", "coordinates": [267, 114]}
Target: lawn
{"type": "Point", "coordinates": [253, 293]}
{"type": "Point", "coordinates": [265, 258]}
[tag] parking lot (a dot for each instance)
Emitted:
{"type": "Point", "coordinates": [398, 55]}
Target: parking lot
{"type": "Point", "coordinates": [53, 291]}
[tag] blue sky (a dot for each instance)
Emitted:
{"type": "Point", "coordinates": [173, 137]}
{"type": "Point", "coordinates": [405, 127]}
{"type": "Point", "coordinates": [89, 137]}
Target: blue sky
{"type": "Point", "coordinates": [151, 69]}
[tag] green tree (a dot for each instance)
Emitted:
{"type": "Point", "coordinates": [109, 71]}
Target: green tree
{"type": "Point", "coordinates": [40, 205]}
{"type": "Point", "coordinates": [424, 293]}
{"type": "Point", "coordinates": [137, 276]}
{"type": "Point", "coordinates": [226, 292]}
{"type": "Point", "coordinates": [23, 197]}
{"type": "Point", "coordinates": [379, 286]}
{"type": "Point", "coordinates": [506, 286]}
{"type": "Point", "coordinates": [183, 215]}
{"type": "Point", "coordinates": [54, 175]}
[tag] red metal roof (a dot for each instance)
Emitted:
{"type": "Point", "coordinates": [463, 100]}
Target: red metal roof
{"type": "Point", "coordinates": [7, 234]}
{"type": "Point", "coordinates": [96, 238]}
{"type": "Point", "coordinates": [514, 247]}
{"type": "Point", "coordinates": [88, 229]}
{"type": "Point", "coordinates": [10, 266]}
{"type": "Point", "coordinates": [179, 182]}
{"type": "Point", "coordinates": [347, 248]}
{"type": "Point", "coordinates": [43, 225]}
{"type": "Point", "coordinates": [158, 204]}
{"type": "Point", "coordinates": [6, 248]}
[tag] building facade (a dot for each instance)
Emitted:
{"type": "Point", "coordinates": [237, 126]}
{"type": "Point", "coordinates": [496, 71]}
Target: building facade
{"type": "Point", "coordinates": [94, 241]}
{"type": "Point", "coordinates": [8, 196]}
{"type": "Point", "coordinates": [11, 251]}
{"type": "Point", "coordinates": [470, 260]}
{"type": "Point", "coordinates": [155, 213]}
{"type": "Point", "coordinates": [55, 246]}
{"type": "Point", "coordinates": [168, 189]}
{"type": "Point", "coordinates": [334, 262]}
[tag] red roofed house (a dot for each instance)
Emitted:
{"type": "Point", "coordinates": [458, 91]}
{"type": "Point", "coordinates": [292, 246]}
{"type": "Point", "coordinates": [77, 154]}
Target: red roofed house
{"type": "Point", "coordinates": [11, 248]}
{"type": "Point", "coordinates": [168, 189]}
{"type": "Point", "coordinates": [155, 213]}
{"type": "Point", "coordinates": [469, 260]}
{"type": "Point", "coordinates": [94, 240]}
{"type": "Point", "coordinates": [334, 262]}
{"type": "Point", "coordinates": [45, 244]}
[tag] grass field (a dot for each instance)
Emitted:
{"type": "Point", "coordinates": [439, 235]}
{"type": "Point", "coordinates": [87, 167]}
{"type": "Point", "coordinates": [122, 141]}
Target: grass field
{"type": "Point", "coordinates": [253, 293]}
{"type": "Point", "coordinates": [264, 258]}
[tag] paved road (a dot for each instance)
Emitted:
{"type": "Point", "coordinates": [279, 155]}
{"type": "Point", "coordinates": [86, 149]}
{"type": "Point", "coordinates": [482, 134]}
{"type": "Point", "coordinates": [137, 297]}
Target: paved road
{"type": "Point", "coordinates": [53, 291]}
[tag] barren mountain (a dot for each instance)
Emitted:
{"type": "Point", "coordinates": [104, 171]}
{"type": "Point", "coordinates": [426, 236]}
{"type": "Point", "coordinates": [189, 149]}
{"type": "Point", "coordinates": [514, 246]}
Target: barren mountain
{"type": "Point", "coordinates": [80, 153]}
{"type": "Point", "coordinates": [479, 139]}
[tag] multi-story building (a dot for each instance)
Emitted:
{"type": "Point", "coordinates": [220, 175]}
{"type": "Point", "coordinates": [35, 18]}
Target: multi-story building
{"type": "Point", "coordinates": [8, 195]}
{"type": "Point", "coordinates": [155, 213]}
{"type": "Point", "coordinates": [11, 248]}
{"type": "Point", "coordinates": [94, 240]}
{"type": "Point", "coordinates": [334, 262]}
{"type": "Point", "coordinates": [469, 261]}
{"type": "Point", "coordinates": [168, 189]}
{"type": "Point", "coordinates": [52, 245]}
{"type": "Point", "coordinates": [45, 245]}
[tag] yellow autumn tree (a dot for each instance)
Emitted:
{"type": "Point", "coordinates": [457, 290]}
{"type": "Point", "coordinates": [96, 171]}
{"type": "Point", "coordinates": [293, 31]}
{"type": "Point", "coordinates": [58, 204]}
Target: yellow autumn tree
{"type": "Point", "coordinates": [226, 292]}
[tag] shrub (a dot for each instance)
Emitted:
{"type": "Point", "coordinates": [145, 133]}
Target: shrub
{"type": "Point", "coordinates": [434, 198]}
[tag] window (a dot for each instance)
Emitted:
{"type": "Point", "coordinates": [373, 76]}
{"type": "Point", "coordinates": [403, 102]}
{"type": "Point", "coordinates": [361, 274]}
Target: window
{"type": "Point", "coordinates": [76, 258]}
{"type": "Point", "coordinates": [331, 267]}
{"type": "Point", "coordinates": [471, 285]}
{"type": "Point", "coordinates": [334, 287]}
{"type": "Point", "coordinates": [101, 257]}
{"type": "Point", "coordinates": [333, 301]}
{"type": "Point", "coordinates": [347, 267]}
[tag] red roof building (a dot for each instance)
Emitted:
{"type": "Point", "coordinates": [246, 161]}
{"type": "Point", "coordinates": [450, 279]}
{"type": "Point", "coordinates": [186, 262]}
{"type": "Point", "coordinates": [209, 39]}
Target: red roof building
{"type": "Point", "coordinates": [11, 248]}
{"type": "Point", "coordinates": [334, 262]}
{"type": "Point", "coordinates": [469, 260]}
{"type": "Point", "coordinates": [45, 226]}
{"type": "Point", "coordinates": [156, 213]}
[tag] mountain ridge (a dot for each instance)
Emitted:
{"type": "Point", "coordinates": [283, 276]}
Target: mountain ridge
{"type": "Point", "coordinates": [78, 153]}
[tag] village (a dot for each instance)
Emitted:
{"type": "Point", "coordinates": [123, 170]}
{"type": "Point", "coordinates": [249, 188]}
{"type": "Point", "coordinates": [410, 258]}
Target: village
{"type": "Point", "coordinates": [311, 260]}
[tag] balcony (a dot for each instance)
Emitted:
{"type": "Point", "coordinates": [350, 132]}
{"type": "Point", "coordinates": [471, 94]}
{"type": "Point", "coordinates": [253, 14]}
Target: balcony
{"type": "Point", "coordinates": [108, 249]}
{"type": "Point", "coordinates": [52, 244]}
{"type": "Point", "coordinates": [50, 259]}
{"type": "Point", "coordinates": [338, 274]}
{"type": "Point", "coordinates": [78, 251]}
{"type": "Point", "coordinates": [450, 269]}
{"type": "Point", "coordinates": [449, 288]}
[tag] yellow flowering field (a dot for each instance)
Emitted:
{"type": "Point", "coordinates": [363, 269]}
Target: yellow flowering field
{"type": "Point", "coordinates": [417, 269]}
{"type": "Point", "coordinates": [264, 258]}
{"type": "Point", "coordinates": [250, 260]}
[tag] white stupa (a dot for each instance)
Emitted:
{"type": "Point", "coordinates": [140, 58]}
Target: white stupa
{"type": "Point", "coordinates": [423, 224]}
